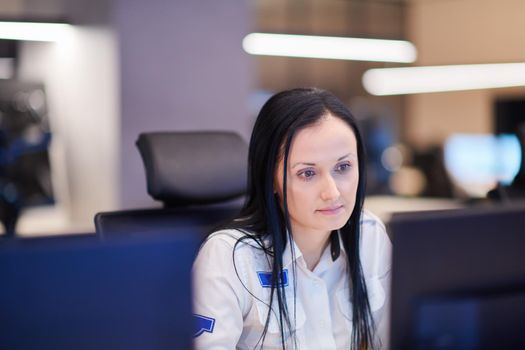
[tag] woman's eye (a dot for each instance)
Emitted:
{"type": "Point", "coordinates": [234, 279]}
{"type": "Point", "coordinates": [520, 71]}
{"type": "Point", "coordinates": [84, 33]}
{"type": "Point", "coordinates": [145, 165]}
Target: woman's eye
{"type": "Point", "coordinates": [306, 174]}
{"type": "Point", "coordinates": [342, 168]}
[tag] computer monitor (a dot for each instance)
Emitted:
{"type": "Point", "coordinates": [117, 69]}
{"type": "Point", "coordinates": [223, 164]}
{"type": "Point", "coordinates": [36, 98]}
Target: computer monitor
{"type": "Point", "coordinates": [458, 279]}
{"type": "Point", "coordinates": [509, 118]}
{"type": "Point", "coordinates": [79, 292]}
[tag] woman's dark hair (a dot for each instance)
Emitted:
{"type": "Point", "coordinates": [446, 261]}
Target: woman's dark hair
{"type": "Point", "coordinates": [262, 217]}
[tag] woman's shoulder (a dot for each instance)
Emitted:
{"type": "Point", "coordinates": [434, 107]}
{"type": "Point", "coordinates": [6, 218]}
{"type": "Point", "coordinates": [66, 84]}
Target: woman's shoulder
{"type": "Point", "coordinates": [376, 248]}
{"type": "Point", "coordinates": [372, 228]}
{"type": "Point", "coordinates": [232, 251]}
{"type": "Point", "coordinates": [237, 239]}
{"type": "Point", "coordinates": [229, 236]}
{"type": "Point", "coordinates": [371, 221]}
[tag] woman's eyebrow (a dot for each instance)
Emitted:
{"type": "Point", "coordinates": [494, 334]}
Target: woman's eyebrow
{"type": "Point", "coordinates": [312, 164]}
{"type": "Point", "coordinates": [349, 155]}
{"type": "Point", "coordinates": [302, 163]}
{"type": "Point", "coordinates": [345, 156]}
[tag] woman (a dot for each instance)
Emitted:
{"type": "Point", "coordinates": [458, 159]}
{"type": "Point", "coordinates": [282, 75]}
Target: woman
{"type": "Point", "coordinates": [303, 266]}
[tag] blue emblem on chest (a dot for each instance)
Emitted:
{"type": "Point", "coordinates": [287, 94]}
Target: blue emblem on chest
{"type": "Point", "coordinates": [203, 324]}
{"type": "Point", "coordinates": [266, 279]}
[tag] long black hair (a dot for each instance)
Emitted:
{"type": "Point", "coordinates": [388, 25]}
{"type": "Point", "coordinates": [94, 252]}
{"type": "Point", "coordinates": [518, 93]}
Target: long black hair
{"type": "Point", "coordinates": [262, 216]}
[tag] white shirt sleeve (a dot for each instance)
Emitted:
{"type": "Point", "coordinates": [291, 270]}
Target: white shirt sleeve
{"type": "Point", "coordinates": [385, 257]}
{"type": "Point", "coordinates": [218, 295]}
{"type": "Point", "coordinates": [376, 259]}
{"type": "Point", "coordinates": [383, 324]}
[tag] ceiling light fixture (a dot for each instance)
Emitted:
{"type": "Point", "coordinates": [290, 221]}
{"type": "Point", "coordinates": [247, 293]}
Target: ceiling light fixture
{"type": "Point", "coordinates": [414, 80]}
{"type": "Point", "coordinates": [328, 47]}
{"type": "Point", "coordinates": [34, 31]}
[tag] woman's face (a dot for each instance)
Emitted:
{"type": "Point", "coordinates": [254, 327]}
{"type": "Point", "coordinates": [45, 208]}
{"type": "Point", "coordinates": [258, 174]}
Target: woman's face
{"type": "Point", "coordinates": [322, 177]}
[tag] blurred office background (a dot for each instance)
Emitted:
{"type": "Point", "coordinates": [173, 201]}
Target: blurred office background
{"type": "Point", "coordinates": [123, 67]}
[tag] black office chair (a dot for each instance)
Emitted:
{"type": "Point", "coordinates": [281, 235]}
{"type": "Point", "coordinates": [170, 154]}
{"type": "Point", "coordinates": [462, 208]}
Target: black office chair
{"type": "Point", "coordinates": [200, 177]}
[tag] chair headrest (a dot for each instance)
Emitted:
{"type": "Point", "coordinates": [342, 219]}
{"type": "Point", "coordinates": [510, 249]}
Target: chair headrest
{"type": "Point", "coordinates": [184, 168]}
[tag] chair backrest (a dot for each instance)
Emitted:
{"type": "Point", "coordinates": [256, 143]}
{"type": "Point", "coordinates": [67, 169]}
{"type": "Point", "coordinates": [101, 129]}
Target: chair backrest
{"type": "Point", "coordinates": [200, 177]}
{"type": "Point", "coordinates": [184, 168]}
{"type": "Point", "coordinates": [197, 219]}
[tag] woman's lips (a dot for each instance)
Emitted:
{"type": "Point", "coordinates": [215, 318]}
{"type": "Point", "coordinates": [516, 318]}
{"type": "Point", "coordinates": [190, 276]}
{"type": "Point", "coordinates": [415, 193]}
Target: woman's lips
{"type": "Point", "coordinates": [331, 210]}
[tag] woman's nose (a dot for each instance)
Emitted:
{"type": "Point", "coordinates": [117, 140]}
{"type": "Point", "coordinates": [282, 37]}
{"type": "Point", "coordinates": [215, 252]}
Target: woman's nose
{"type": "Point", "coordinates": [329, 190]}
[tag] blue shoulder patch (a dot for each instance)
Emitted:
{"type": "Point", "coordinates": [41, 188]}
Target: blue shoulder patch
{"type": "Point", "coordinates": [266, 279]}
{"type": "Point", "coordinates": [203, 324]}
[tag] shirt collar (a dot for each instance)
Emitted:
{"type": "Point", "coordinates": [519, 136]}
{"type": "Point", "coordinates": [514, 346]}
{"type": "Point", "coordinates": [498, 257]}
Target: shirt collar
{"type": "Point", "coordinates": [342, 251]}
{"type": "Point", "coordinates": [327, 258]}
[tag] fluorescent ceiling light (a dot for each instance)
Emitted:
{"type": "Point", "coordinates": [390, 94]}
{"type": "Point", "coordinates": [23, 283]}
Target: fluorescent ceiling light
{"type": "Point", "coordinates": [33, 31]}
{"type": "Point", "coordinates": [329, 47]}
{"type": "Point", "coordinates": [414, 80]}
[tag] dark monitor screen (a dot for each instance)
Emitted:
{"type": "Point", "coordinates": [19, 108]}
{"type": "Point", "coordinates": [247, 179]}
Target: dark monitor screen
{"type": "Point", "coordinates": [509, 115]}
{"type": "Point", "coordinates": [84, 293]}
{"type": "Point", "coordinates": [458, 279]}
{"type": "Point", "coordinates": [509, 118]}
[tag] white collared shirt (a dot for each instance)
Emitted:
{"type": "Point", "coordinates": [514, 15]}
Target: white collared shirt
{"type": "Point", "coordinates": [230, 300]}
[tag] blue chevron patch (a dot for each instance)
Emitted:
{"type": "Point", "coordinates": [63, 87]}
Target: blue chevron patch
{"type": "Point", "coordinates": [266, 279]}
{"type": "Point", "coordinates": [203, 324]}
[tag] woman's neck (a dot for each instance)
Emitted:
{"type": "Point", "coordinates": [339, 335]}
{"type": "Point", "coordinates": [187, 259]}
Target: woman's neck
{"type": "Point", "coordinates": [312, 246]}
